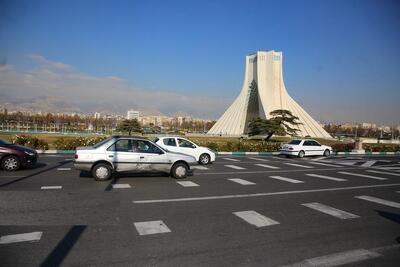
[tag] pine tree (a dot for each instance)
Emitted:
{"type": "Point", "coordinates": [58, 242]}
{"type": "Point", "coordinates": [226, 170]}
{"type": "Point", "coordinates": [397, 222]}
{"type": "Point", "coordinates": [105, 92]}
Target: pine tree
{"type": "Point", "coordinates": [130, 126]}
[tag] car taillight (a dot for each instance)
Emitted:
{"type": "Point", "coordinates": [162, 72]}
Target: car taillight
{"type": "Point", "coordinates": [76, 156]}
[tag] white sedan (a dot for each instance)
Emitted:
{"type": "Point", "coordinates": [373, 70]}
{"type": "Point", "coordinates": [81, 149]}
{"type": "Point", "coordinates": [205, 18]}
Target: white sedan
{"type": "Point", "coordinates": [305, 147]}
{"type": "Point", "coordinates": [203, 155]}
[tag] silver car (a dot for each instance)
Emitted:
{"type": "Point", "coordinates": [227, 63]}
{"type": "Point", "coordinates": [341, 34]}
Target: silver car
{"type": "Point", "coordinates": [131, 154]}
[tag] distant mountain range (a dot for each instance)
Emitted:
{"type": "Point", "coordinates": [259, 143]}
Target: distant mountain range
{"type": "Point", "coordinates": [58, 105]}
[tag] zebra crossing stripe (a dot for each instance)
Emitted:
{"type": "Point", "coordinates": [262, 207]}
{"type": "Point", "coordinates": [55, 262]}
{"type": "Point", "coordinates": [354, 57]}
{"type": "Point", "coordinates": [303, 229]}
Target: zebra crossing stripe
{"type": "Point", "coordinates": [235, 167]}
{"type": "Point", "coordinates": [200, 168]}
{"type": "Point", "coordinates": [294, 181]}
{"type": "Point", "coordinates": [120, 186]}
{"type": "Point", "coordinates": [326, 177]}
{"type": "Point", "coordinates": [187, 184]}
{"type": "Point", "coordinates": [388, 173]}
{"type": "Point", "coordinates": [254, 218]}
{"type": "Point", "coordinates": [151, 227]}
{"type": "Point", "coordinates": [230, 159]}
{"type": "Point", "coordinates": [241, 181]}
{"type": "Point", "coordinates": [63, 169]}
{"type": "Point", "coordinates": [368, 163]}
{"type": "Point", "coordinates": [380, 201]}
{"type": "Point", "coordinates": [363, 175]}
{"type": "Point", "coordinates": [298, 165]}
{"type": "Point", "coordinates": [325, 164]}
{"type": "Point", "coordinates": [338, 259]}
{"type": "Point", "coordinates": [330, 211]}
{"type": "Point", "coordinates": [51, 187]}
{"type": "Point", "coordinates": [259, 159]}
{"type": "Point", "coordinates": [26, 237]}
{"type": "Point", "coordinates": [267, 166]}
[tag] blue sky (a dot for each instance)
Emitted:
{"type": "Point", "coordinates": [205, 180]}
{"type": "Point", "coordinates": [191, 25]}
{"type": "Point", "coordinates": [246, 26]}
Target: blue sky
{"type": "Point", "coordinates": [334, 51]}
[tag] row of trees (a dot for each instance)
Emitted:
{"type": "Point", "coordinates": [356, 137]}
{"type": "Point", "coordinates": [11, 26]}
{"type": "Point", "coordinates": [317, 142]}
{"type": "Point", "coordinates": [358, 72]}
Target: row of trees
{"type": "Point", "coordinates": [282, 122]}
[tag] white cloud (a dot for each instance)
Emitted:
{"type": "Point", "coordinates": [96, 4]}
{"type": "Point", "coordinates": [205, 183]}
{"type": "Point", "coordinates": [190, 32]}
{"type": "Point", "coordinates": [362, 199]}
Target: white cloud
{"type": "Point", "coordinates": [91, 93]}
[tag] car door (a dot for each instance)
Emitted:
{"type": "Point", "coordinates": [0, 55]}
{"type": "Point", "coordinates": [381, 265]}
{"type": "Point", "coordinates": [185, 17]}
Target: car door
{"type": "Point", "coordinates": [308, 148]}
{"type": "Point", "coordinates": [317, 148]}
{"type": "Point", "coordinates": [187, 147]}
{"type": "Point", "coordinates": [123, 155]}
{"type": "Point", "coordinates": [152, 158]}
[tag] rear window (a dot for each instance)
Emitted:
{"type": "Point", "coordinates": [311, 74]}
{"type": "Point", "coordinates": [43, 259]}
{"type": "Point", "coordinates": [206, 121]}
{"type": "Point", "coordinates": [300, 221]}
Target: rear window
{"type": "Point", "coordinates": [169, 142]}
{"type": "Point", "coordinates": [3, 142]}
{"type": "Point", "coordinates": [295, 142]}
{"type": "Point", "coordinates": [102, 142]}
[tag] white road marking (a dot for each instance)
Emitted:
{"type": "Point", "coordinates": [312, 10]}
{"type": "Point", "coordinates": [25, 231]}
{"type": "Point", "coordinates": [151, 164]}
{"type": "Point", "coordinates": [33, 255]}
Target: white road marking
{"type": "Point", "coordinates": [26, 237]}
{"type": "Point", "coordinates": [151, 227]}
{"type": "Point", "coordinates": [261, 194]}
{"type": "Point", "coordinates": [347, 162]}
{"type": "Point", "coordinates": [318, 158]}
{"type": "Point", "coordinates": [326, 177]}
{"type": "Point", "coordinates": [363, 175]}
{"type": "Point", "coordinates": [231, 159]}
{"type": "Point", "coordinates": [368, 163]}
{"type": "Point", "coordinates": [325, 164]}
{"type": "Point", "coordinates": [330, 210]}
{"type": "Point", "coordinates": [294, 181]}
{"type": "Point", "coordinates": [120, 186]}
{"type": "Point", "coordinates": [380, 201]}
{"type": "Point", "coordinates": [200, 168]}
{"type": "Point", "coordinates": [241, 181]}
{"type": "Point", "coordinates": [388, 173]}
{"type": "Point", "coordinates": [187, 183]}
{"type": "Point", "coordinates": [63, 169]}
{"type": "Point", "coordinates": [267, 166]}
{"type": "Point", "coordinates": [51, 187]}
{"type": "Point", "coordinates": [298, 165]}
{"type": "Point", "coordinates": [338, 259]}
{"type": "Point", "coordinates": [255, 218]}
{"type": "Point", "coordinates": [390, 168]}
{"type": "Point", "coordinates": [259, 159]}
{"type": "Point", "coordinates": [235, 167]}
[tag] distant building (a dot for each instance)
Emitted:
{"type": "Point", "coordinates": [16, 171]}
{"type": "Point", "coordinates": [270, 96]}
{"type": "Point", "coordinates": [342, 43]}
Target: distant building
{"type": "Point", "coordinates": [367, 125]}
{"type": "Point", "coordinates": [132, 114]}
{"type": "Point", "coordinates": [97, 115]}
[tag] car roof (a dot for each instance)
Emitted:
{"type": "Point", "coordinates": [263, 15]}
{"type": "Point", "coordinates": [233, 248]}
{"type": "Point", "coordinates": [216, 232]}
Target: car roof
{"type": "Point", "coordinates": [130, 137]}
{"type": "Point", "coordinates": [170, 136]}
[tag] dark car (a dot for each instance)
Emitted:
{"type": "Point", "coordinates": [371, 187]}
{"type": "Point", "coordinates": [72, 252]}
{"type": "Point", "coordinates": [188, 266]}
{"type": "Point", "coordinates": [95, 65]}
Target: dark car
{"type": "Point", "coordinates": [13, 157]}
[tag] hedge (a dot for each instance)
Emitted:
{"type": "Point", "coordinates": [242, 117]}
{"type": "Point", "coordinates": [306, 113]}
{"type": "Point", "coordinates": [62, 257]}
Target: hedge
{"type": "Point", "coordinates": [64, 143]}
{"type": "Point", "coordinates": [30, 141]}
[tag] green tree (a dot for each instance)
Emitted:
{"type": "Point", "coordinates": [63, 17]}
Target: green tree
{"type": "Point", "coordinates": [282, 122]}
{"type": "Point", "coordinates": [130, 126]}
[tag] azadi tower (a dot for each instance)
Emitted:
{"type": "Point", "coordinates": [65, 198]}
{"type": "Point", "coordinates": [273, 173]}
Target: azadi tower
{"type": "Point", "coordinates": [263, 91]}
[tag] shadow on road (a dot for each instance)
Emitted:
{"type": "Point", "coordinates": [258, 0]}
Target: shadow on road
{"type": "Point", "coordinates": [61, 163]}
{"type": "Point", "coordinates": [62, 249]}
{"type": "Point", "coordinates": [389, 215]}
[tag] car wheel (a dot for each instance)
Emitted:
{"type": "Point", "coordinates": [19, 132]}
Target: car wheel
{"type": "Point", "coordinates": [102, 172]}
{"type": "Point", "coordinates": [204, 159]}
{"type": "Point", "coordinates": [179, 170]}
{"type": "Point", "coordinates": [10, 163]}
{"type": "Point", "coordinates": [327, 153]}
{"type": "Point", "coordinates": [302, 154]}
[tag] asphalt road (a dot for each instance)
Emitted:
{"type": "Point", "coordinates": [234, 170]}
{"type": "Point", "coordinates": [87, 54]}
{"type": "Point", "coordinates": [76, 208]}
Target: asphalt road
{"type": "Point", "coordinates": [240, 211]}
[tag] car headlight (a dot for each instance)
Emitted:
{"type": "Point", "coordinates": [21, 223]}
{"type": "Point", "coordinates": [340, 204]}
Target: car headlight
{"type": "Point", "coordinates": [29, 153]}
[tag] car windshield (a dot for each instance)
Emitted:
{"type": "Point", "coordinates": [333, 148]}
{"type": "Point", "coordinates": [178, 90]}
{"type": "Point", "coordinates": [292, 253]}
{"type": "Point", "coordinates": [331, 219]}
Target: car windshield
{"type": "Point", "coordinates": [102, 142]}
{"type": "Point", "coordinates": [4, 142]}
{"type": "Point", "coordinates": [295, 142]}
